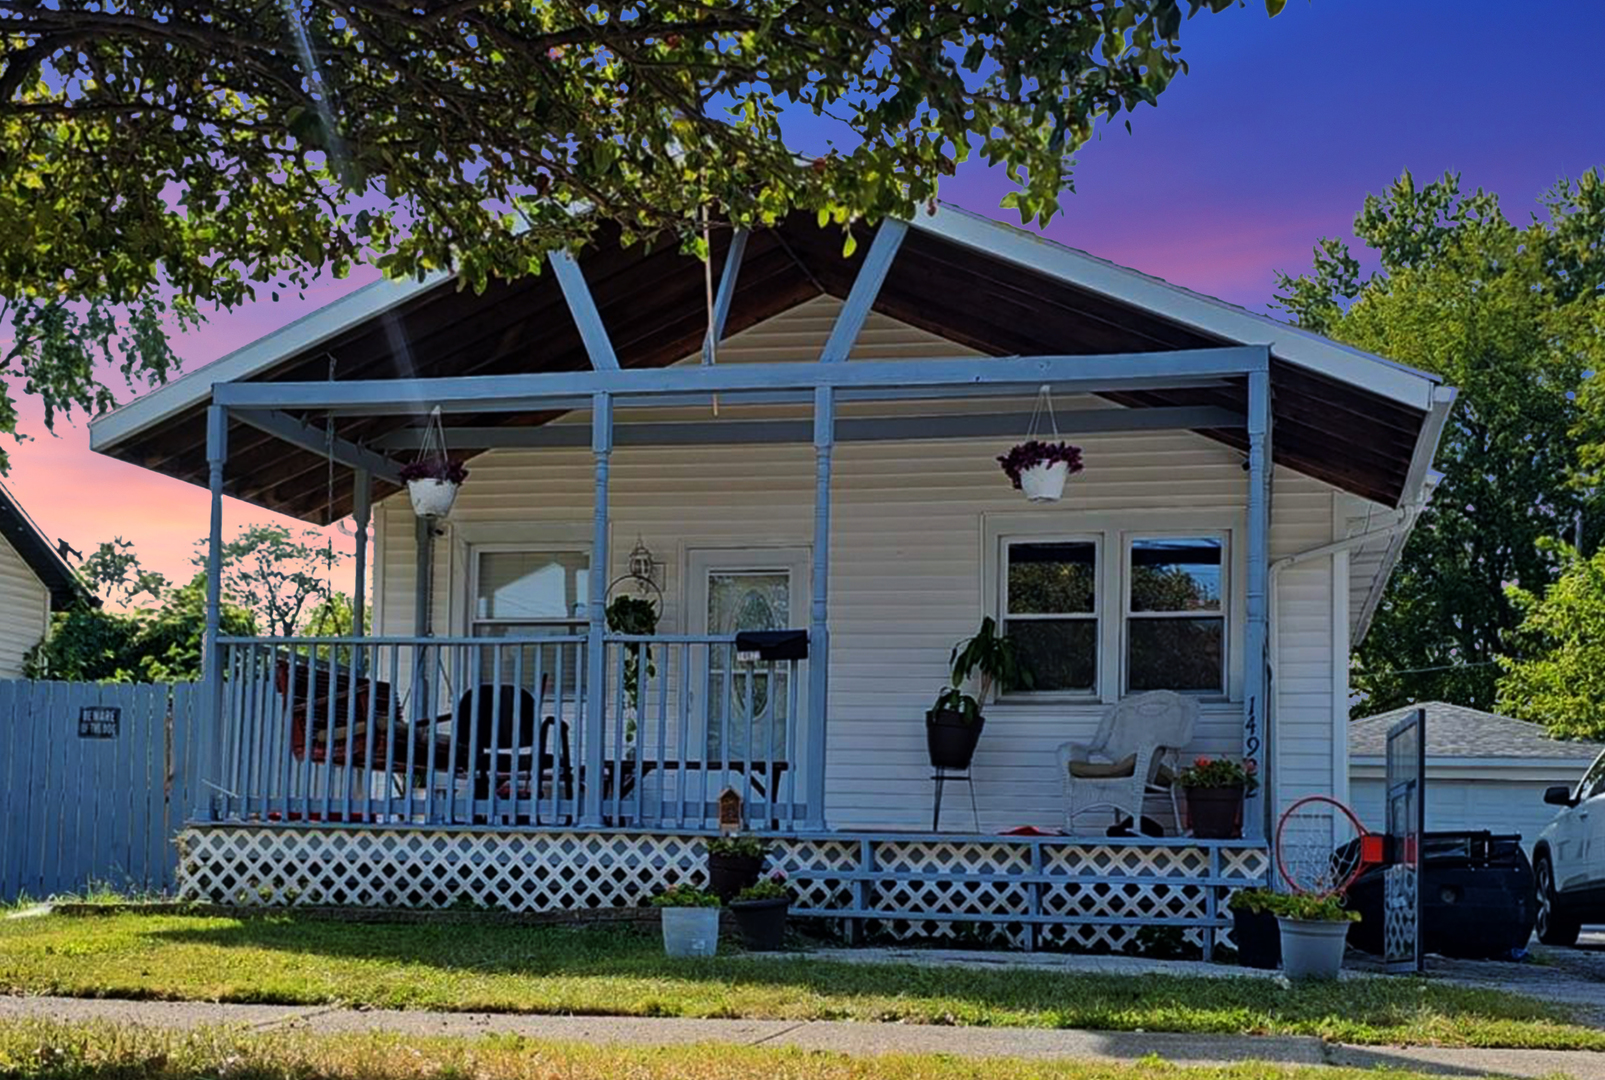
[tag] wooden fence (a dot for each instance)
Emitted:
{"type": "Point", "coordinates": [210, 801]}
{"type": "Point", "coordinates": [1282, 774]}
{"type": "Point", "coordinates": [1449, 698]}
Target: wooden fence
{"type": "Point", "coordinates": [95, 781]}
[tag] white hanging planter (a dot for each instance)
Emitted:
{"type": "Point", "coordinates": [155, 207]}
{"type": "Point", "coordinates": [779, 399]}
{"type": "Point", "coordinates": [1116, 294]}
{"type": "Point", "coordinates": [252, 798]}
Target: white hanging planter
{"type": "Point", "coordinates": [432, 498]}
{"type": "Point", "coordinates": [433, 478]}
{"type": "Point", "coordinates": [1045, 483]}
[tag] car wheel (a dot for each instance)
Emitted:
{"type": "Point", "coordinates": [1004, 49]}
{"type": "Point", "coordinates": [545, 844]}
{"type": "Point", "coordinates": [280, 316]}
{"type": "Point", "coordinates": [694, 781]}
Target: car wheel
{"type": "Point", "coordinates": [1554, 927]}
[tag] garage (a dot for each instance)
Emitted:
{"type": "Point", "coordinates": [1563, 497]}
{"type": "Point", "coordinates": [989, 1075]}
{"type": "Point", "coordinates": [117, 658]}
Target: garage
{"type": "Point", "coordinates": [1484, 771]}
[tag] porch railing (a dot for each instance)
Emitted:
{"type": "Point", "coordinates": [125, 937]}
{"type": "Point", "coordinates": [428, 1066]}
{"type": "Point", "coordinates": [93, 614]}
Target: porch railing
{"type": "Point", "coordinates": [504, 732]}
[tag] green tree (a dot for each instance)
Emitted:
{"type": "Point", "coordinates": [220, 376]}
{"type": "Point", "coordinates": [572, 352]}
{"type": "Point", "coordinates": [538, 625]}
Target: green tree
{"type": "Point", "coordinates": [113, 571]}
{"type": "Point", "coordinates": [278, 574]}
{"type": "Point", "coordinates": [161, 645]}
{"type": "Point", "coordinates": [158, 156]}
{"type": "Point", "coordinates": [1557, 677]}
{"type": "Point", "coordinates": [1510, 315]}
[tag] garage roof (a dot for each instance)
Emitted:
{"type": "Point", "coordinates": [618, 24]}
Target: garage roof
{"type": "Point", "coordinates": [1454, 731]}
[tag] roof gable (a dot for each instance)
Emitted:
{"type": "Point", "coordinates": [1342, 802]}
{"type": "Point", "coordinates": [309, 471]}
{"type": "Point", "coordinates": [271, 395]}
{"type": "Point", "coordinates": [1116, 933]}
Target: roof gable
{"type": "Point", "coordinates": [40, 555]}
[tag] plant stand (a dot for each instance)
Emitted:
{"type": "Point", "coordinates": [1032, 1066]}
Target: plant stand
{"type": "Point", "coordinates": [941, 776]}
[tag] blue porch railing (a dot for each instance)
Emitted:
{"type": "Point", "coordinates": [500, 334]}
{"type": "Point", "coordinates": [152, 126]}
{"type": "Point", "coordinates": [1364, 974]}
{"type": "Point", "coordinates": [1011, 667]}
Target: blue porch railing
{"type": "Point", "coordinates": [504, 731]}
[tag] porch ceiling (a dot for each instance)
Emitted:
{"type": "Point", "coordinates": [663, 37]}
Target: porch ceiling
{"type": "Point", "coordinates": [653, 305]}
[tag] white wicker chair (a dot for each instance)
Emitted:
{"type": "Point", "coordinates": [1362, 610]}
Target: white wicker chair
{"type": "Point", "coordinates": [1136, 747]}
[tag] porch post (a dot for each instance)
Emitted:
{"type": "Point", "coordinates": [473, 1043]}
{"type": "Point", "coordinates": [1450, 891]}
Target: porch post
{"type": "Point", "coordinates": [819, 622]}
{"type": "Point", "coordinates": [595, 608]}
{"type": "Point", "coordinates": [213, 733]}
{"type": "Point", "coordinates": [1256, 655]}
{"type": "Point", "coordinates": [362, 515]}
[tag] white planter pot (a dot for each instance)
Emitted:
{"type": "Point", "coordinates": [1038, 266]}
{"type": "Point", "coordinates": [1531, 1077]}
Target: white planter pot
{"type": "Point", "coordinates": [431, 498]}
{"type": "Point", "coordinates": [1044, 483]}
{"type": "Point", "coordinates": [690, 931]}
{"type": "Point", "coordinates": [1312, 949]}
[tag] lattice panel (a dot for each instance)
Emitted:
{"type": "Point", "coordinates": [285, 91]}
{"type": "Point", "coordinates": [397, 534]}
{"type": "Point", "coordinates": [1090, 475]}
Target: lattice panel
{"type": "Point", "coordinates": [910, 888]}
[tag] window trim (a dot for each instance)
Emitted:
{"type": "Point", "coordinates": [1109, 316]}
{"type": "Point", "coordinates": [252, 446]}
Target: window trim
{"type": "Point", "coordinates": [1130, 537]}
{"type": "Point", "coordinates": [1114, 527]}
{"type": "Point", "coordinates": [473, 622]}
{"type": "Point", "coordinates": [1095, 616]}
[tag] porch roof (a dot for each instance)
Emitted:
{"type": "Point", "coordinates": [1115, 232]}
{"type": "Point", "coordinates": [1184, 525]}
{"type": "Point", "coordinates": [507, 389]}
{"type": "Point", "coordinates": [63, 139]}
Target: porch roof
{"type": "Point", "coordinates": [1359, 422]}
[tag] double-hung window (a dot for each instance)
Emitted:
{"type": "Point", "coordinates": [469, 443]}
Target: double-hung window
{"type": "Point", "coordinates": [1175, 614]}
{"type": "Point", "coordinates": [530, 593]}
{"type": "Point", "coordinates": [1050, 609]}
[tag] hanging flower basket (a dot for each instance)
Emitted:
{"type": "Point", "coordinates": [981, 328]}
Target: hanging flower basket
{"type": "Point", "coordinates": [1040, 468]}
{"type": "Point", "coordinates": [433, 479]}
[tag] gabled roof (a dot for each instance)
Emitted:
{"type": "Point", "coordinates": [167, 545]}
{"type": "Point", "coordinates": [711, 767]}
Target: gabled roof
{"type": "Point", "coordinates": [1356, 421]}
{"type": "Point", "coordinates": [40, 555]}
{"type": "Point", "coordinates": [1454, 731]}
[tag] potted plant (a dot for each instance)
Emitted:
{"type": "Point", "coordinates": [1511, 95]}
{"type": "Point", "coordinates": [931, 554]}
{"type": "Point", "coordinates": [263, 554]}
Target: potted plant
{"type": "Point", "coordinates": [1254, 929]}
{"type": "Point", "coordinates": [1315, 930]}
{"type": "Point", "coordinates": [637, 617]}
{"type": "Point", "coordinates": [1216, 788]}
{"type": "Point", "coordinates": [690, 921]}
{"type": "Point", "coordinates": [760, 912]}
{"type": "Point", "coordinates": [953, 724]}
{"type": "Point", "coordinates": [734, 863]}
{"type": "Point", "coordinates": [1040, 468]}
{"type": "Point", "coordinates": [432, 485]}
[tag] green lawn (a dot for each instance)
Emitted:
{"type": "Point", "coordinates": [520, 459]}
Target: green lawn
{"type": "Point", "coordinates": [39, 1051]}
{"type": "Point", "coordinates": [614, 971]}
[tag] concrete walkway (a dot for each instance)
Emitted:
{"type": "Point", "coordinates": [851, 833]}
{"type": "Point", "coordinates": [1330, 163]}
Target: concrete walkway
{"type": "Point", "coordinates": [848, 1038]}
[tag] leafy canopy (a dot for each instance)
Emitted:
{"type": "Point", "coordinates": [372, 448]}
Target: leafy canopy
{"type": "Point", "coordinates": [156, 156]}
{"type": "Point", "coordinates": [1557, 677]}
{"type": "Point", "coordinates": [1510, 314]}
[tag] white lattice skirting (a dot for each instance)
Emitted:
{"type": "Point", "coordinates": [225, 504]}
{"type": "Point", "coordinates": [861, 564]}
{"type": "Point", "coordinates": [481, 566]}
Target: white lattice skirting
{"type": "Point", "coordinates": [1028, 891]}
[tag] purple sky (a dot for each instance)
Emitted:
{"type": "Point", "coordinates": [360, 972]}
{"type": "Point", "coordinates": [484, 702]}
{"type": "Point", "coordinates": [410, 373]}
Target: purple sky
{"type": "Point", "coordinates": [1273, 140]}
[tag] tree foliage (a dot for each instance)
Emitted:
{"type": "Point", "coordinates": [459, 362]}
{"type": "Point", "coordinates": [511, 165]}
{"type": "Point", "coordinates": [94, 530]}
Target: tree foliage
{"type": "Point", "coordinates": [159, 155]}
{"type": "Point", "coordinates": [278, 574]}
{"type": "Point", "coordinates": [161, 645]}
{"type": "Point", "coordinates": [1557, 675]}
{"type": "Point", "coordinates": [114, 573]}
{"type": "Point", "coordinates": [1511, 315]}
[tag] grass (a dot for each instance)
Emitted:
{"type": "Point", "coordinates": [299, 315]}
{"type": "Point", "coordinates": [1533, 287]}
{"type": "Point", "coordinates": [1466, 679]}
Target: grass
{"type": "Point", "coordinates": [289, 960]}
{"type": "Point", "coordinates": [101, 1052]}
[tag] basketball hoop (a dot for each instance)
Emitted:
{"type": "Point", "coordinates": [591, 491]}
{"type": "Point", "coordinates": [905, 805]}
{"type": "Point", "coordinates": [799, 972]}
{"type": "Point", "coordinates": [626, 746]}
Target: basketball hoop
{"type": "Point", "coordinates": [1322, 846]}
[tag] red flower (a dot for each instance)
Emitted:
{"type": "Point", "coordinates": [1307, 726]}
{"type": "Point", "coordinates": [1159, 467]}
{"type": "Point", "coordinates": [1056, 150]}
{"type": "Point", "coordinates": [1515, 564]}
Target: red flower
{"type": "Point", "coordinates": [1201, 762]}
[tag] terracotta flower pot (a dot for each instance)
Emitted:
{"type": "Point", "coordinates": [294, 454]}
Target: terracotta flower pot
{"type": "Point", "coordinates": [1215, 813]}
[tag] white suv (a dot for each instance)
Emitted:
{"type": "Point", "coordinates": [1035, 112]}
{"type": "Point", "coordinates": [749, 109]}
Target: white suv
{"type": "Point", "coordinates": [1569, 859]}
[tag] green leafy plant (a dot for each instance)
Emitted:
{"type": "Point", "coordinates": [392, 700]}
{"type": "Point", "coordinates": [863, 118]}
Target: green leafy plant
{"type": "Point", "coordinates": [684, 896]}
{"type": "Point", "coordinates": [993, 660]}
{"type": "Point", "coordinates": [1253, 901]}
{"type": "Point", "coordinates": [1309, 908]}
{"type": "Point", "coordinates": [1207, 772]}
{"type": "Point", "coordinates": [636, 616]}
{"type": "Point", "coordinates": [771, 887]}
{"type": "Point", "coordinates": [740, 847]}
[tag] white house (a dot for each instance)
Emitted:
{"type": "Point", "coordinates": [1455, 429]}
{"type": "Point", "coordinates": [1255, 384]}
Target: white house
{"type": "Point", "coordinates": [34, 581]}
{"type": "Point", "coordinates": [830, 466]}
{"type": "Point", "coordinates": [1484, 771]}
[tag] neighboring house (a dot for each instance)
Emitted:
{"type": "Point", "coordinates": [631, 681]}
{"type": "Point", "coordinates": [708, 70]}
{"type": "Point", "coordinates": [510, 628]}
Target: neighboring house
{"type": "Point", "coordinates": [832, 469]}
{"type": "Point", "coordinates": [34, 581]}
{"type": "Point", "coordinates": [1484, 771]}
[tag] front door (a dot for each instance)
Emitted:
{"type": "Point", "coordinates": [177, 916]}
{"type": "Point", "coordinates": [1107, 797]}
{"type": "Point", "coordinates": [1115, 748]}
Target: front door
{"type": "Point", "coordinates": [748, 713]}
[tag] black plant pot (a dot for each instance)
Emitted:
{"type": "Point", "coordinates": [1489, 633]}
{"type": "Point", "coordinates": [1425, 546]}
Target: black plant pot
{"type": "Point", "coordinates": [729, 874]}
{"type": "Point", "coordinates": [762, 923]}
{"type": "Point", "coordinates": [1215, 813]}
{"type": "Point", "coordinates": [951, 738]}
{"type": "Point", "coordinates": [1258, 938]}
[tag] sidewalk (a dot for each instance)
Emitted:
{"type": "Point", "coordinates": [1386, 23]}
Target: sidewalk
{"type": "Point", "coordinates": [848, 1038]}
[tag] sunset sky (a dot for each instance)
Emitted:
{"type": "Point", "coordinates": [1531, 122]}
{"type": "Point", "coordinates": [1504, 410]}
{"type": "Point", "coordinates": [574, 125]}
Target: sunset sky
{"type": "Point", "coordinates": [1272, 141]}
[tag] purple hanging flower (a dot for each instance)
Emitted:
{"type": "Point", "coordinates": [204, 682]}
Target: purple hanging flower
{"type": "Point", "coordinates": [1035, 452]}
{"type": "Point", "coordinates": [452, 472]}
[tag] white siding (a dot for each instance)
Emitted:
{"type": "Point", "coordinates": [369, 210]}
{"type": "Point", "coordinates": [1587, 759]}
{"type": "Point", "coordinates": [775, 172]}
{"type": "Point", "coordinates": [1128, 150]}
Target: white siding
{"type": "Point", "coordinates": [906, 572]}
{"type": "Point", "coordinates": [24, 611]}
